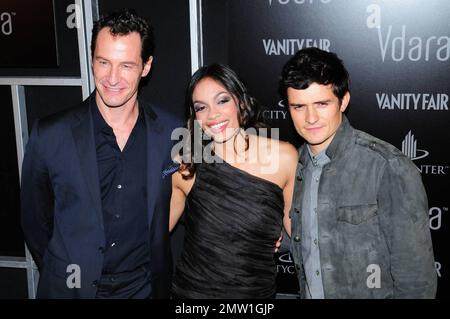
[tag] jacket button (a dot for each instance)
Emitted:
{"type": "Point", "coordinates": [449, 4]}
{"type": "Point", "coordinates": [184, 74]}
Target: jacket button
{"type": "Point", "coordinates": [95, 283]}
{"type": "Point", "coordinates": [101, 249]}
{"type": "Point", "coordinates": [297, 238]}
{"type": "Point", "coordinates": [296, 210]}
{"type": "Point", "coordinates": [299, 178]}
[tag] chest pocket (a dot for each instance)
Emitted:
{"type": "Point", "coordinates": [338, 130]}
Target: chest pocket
{"type": "Point", "coordinates": [357, 214]}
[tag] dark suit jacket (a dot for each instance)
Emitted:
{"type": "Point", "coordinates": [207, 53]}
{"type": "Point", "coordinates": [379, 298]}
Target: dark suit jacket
{"type": "Point", "coordinates": [62, 217]}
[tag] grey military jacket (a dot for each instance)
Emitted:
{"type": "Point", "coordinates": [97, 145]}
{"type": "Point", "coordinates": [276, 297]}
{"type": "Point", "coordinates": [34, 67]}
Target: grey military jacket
{"type": "Point", "coordinates": [373, 223]}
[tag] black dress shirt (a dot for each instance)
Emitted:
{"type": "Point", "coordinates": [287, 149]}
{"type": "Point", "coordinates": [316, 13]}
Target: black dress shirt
{"type": "Point", "coordinates": [123, 189]}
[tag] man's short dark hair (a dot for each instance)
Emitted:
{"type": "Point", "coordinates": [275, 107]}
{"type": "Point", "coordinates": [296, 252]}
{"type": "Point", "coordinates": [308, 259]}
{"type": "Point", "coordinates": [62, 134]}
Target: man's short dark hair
{"type": "Point", "coordinates": [313, 65]}
{"type": "Point", "coordinates": [122, 23]}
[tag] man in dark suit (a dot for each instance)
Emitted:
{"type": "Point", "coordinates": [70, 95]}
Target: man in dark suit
{"type": "Point", "coordinates": [94, 192]}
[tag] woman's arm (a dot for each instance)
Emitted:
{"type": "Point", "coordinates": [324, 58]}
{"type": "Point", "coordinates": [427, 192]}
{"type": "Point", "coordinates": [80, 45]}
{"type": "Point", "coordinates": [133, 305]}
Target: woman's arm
{"type": "Point", "coordinates": [288, 161]}
{"type": "Point", "coordinates": [177, 201]}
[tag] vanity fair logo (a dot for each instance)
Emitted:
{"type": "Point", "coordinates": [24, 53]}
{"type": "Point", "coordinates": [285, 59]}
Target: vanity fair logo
{"type": "Point", "coordinates": [409, 148]}
{"type": "Point", "coordinates": [413, 101]}
{"type": "Point", "coordinates": [291, 46]}
{"type": "Point", "coordinates": [6, 23]}
{"type": "Point", "coordinates": [283, 2]}
{"type": "Point", "coordinates": [397, 44]}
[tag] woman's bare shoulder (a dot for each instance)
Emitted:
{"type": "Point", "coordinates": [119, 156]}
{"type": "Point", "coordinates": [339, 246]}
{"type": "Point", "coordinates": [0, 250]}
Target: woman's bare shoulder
{"type": "Point", "coordinates": [289, 150]}
{"type": "Point", "coordinates": [285, 149]}
{"type": "Point", "coordinates": [288, 157]}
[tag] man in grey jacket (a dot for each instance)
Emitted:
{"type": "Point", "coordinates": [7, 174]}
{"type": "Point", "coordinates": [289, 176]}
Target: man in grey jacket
{"type": "Point", "coordinates": [360, 226]}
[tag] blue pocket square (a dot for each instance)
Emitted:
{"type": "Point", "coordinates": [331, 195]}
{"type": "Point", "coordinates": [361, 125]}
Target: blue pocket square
{"type": "Point", "coordinates": [170, 170]}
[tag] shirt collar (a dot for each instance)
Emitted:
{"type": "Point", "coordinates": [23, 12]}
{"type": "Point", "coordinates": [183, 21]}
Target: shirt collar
{"type": "Point", "coordinates": [100, 125]}
{"type": "Point", "coordinates": [318, 160]}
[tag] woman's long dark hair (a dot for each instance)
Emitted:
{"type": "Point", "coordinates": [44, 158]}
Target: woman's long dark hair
{"type": "Point", "coordinates": [248, 111]}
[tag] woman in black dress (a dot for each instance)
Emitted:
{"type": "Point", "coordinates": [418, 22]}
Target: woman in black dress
{"type": "Point", "coordinates": [238, 189]}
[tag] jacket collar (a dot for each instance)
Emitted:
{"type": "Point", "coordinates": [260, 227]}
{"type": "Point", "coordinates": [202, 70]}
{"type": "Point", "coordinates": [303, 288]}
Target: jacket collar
{"type": "Point", "coordinates": [342, 139]}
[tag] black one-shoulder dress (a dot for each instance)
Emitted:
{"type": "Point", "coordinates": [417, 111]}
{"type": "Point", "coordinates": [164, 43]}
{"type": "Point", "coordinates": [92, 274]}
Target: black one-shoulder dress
{"type": "Point", "coordinates": [232, 223]}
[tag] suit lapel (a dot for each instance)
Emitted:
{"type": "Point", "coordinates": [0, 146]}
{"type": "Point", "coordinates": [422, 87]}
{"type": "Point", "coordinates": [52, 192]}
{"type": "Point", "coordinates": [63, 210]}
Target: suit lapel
{"type": "Point", "coordinates": [154, 159]}
{"type": "Point", "coordinates": [83, 136]}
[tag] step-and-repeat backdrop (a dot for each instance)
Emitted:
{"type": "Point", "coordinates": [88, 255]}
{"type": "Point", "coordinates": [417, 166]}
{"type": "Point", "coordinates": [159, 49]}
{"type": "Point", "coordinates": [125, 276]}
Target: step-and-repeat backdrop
{"type": "Point", "coordinates": [397, 53]}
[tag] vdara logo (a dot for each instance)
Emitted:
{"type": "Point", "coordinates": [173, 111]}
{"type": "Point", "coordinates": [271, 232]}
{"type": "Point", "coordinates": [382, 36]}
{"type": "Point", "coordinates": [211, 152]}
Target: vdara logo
{"type": "Point", "coordinates": [400, 45]}
{"type": "Point", "coordinates": [282, 2]}
{"type": "Point", "coordinates": [6, 25]}
{"type": "Point", "coordinates": [409, 148]}
{"type": "Point", "coordinates": [435, 214]}
{"type": "Point", "coordinates": [413, 48]}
